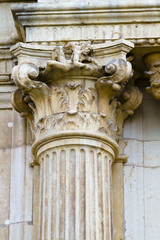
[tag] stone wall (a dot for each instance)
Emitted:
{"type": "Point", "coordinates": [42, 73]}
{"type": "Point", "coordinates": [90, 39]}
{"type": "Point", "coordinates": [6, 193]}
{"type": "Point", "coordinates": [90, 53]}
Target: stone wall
{"type": "Point", "coordinates": [16, 177]}
{"type": "Point", "coordinates": [142, 172]}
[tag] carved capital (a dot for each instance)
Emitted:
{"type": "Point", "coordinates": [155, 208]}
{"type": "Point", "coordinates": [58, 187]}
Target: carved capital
{"type": "Point", "coordinates": [76, 91]}
{"type": "Point", "coordinates": [152, 62]}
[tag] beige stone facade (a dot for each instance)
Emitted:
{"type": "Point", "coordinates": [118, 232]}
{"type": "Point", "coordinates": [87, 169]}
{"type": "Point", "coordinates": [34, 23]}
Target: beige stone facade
{"type": "Point", "coordinates": [79, 120]}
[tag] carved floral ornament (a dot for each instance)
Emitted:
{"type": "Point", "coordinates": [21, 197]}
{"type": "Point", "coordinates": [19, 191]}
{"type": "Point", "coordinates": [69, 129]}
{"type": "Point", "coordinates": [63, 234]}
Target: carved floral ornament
{"type": "Point", "coordinates": [75, 91]}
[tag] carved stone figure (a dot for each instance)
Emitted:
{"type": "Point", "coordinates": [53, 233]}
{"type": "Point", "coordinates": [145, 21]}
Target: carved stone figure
{"type": "Point", "coordinates": [152, 62]}
{"type": "Point", "coordinates": [58, 61]}
{"type": "Point", "coordinates": [79, 57]}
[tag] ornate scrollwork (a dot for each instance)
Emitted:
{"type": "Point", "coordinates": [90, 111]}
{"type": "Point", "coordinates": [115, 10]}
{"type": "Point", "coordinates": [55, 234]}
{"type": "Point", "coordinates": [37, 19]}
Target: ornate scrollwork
{"type": "Point", "coordinates": [23, 104]}
{"type": "Point", "coordinates": [118, 71]}
{"type": "Point", "coordinates": [69, 100]}
{"type": "Point", "coordinates": [25, 76]}
{"type": "Point", "coordinates": [131, 99]}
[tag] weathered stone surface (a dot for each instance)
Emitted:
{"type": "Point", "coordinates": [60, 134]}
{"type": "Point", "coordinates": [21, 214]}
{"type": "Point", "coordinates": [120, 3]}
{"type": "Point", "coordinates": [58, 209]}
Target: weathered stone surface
{"type": "Point", "coordinates": [8, 31]}
{"type": "Point", "coordinates": [6, 128]}
{"type": "Point", "coordinates": [118, 208]}
{"type": "Point", "coordinates": [76, 103]}
{"type": "Point", "coordinates": [102, 21]}
{"type": "Point", "coordinates": [21, 230]}
{"type": "Point", "coordinates": [50, 27]}
{"type": "Point", "coordinates": [4, 233]}
{"type": "Point", "coordinates": [152, 197]}
{"type": "Point", "coordinates": [5, 166]}
{"type": "Point", "coordinates": [21, 187]}
{"type": "Point", "coordinates": [134, 202]}
{"type": "Point", "coordinates": [141, 173]}
{"type": "Point", "coordinates": [151, 121]}
{"type": "Point", "coordinates": [19, 130]}
{"type": "Point", "coordinates": [151, 154]}
{"type": "Point", "coordinates": [134, 152]}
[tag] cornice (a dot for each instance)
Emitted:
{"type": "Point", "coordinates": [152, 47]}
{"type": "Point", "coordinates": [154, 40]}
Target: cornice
{"type": "Point", "coordinates": [95, 21]}
{"type": "Point", "coordinates": [76, 13]}
{"type": "Point", "coordinates": [89, 5]}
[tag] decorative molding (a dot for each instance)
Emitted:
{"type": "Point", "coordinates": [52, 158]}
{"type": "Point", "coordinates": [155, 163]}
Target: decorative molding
{"type": "Point", "coordinates": [101, 21]}
{"type": "Point", "coordinates": [141, 42]}
{"type": "Point", "coordinates": [147, 41]}
{"type": "Point", "coordinates": [38, 53]}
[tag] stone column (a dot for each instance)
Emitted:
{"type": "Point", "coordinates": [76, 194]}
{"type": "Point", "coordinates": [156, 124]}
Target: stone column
{"type": "Point", "coordinates": [75, 189]}
{"type": "Point", "coordinates": [76, 104]}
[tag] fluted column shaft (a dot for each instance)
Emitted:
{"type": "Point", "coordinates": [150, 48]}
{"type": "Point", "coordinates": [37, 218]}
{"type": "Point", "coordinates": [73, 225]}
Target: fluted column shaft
{"type": "Point", "coordinates": [75, 192]}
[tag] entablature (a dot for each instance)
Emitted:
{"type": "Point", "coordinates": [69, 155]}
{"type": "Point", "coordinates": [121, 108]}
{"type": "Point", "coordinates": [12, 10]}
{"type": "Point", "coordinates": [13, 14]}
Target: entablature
{"type": "Point", "coordinates": [101, 21]}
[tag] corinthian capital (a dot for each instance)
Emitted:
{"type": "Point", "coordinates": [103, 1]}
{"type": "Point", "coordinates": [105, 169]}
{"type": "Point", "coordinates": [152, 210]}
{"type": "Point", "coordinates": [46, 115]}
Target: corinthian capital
{"type": "Point", "coordinates": [82, 87]}
{"type": "Point", "coordinates": [76, 98]}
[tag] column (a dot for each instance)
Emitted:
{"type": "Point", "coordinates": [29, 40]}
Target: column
{"type": "Point", "coordinates": [75, 190]}
{"type": "Point", "coordinates": [76, 103]}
